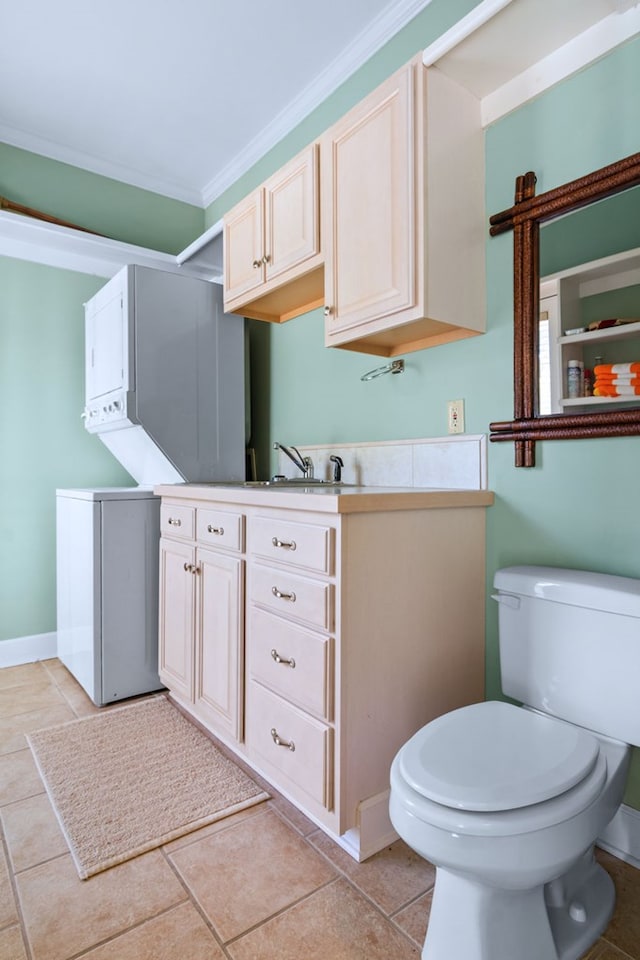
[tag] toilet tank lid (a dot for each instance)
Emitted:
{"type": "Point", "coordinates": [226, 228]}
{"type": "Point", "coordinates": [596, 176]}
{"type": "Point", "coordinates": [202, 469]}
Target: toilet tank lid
{"type": "Point", "coordinates": [580, 588]}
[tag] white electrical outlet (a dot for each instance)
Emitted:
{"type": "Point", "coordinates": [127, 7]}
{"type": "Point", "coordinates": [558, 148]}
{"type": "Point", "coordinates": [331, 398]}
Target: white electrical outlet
{"type": "Point", "coordinates": [455, 417]}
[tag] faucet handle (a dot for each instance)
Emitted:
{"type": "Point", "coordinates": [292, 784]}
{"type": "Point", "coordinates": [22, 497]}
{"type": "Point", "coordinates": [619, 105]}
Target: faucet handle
{"type": "Point", "coordinates": [338, 464]}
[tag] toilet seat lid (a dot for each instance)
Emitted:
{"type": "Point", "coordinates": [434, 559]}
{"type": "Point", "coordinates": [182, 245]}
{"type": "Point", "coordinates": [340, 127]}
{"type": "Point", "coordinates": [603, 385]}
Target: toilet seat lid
{"type": "Point", "coordinates": [495, 756]}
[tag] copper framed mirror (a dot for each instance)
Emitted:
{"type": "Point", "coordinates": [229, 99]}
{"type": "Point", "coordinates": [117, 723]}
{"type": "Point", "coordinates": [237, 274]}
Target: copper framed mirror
{"type": "Point", "coordinates": [597, 416]}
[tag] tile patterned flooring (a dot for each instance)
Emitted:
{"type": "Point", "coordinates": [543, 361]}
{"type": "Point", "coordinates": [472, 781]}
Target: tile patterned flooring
{"type": "Point", "coordinates": [264, 884]}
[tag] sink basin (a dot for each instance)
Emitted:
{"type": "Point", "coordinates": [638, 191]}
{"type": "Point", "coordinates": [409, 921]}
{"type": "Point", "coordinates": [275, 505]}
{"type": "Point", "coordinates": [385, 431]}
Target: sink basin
{"type": "Point", "coordinates": [275, 483]}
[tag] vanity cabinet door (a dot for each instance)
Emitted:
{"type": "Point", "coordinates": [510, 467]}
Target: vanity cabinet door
{"type": "Point", "coordinates": [176, 628]}
{"type": "Point", "coordinates": [219, 630]}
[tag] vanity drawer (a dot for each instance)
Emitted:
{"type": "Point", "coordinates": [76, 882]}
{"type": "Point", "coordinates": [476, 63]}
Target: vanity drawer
{"type": "Point", "coordinates": [294, 662]}
{"type": "Point", "coordinates": [219, 528]}
{"type": "Point", "coordinates": [177, 520]}
{"type": "Point", "coordinates": [292, 595]}
{"type": "Point", "coordinates": [291, 742]}
{"type": "Point", "coordinates": [307, 545]}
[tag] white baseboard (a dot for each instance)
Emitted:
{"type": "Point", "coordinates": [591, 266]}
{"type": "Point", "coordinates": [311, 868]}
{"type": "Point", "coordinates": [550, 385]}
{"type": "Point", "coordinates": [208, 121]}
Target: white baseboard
{"type": "Point", "coordinates": [41, 646]}
{"type": "Point", "coordinates": [622, 836]}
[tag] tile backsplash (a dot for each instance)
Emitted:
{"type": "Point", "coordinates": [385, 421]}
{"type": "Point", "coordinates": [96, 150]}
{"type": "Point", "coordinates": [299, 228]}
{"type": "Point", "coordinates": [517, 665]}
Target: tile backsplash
{"type": "Point", "coordinates": [445, 462]}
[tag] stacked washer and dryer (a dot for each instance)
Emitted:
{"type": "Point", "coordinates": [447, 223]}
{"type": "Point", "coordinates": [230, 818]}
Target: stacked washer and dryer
{"type": "Point", "coordinates": [165, 392]}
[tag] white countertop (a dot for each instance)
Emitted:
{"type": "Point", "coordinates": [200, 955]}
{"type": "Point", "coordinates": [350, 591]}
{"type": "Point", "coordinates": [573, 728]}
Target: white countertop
{"type": "Point", "coordinates": [328, 498]}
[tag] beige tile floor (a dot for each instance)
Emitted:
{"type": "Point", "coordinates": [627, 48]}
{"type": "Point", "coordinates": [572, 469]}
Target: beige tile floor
{"type": "Point", "coordinates": [265, 884]}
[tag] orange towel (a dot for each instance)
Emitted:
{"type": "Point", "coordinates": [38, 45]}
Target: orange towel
{"type": "Point", "coordinates": [615, 369]}
{"type": "Point", "coordinates": [606, 391]}
{"type": "Point", "coordinates": [620, 381]}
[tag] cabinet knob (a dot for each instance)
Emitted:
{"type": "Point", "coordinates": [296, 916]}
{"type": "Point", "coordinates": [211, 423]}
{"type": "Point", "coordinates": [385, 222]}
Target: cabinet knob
{"type": "Point", "coordinates": [285, 544]}
{"type": "Point", "coordinates": [219, 531]}
{"type": "Point", "coordinates": [188, 567]}
{"type": "Point", "coordinates": [173, 522]}
{"type": "Point", "coordinates": [283, 596]}
{"type": "Point", "coordinates": [279, 742]}
{"type": "Point", "coordinates": [278, 659]}
{"type": "Point", "coordinates": [257, 264]}
{"type": "Point", "coordinates": [266, 259]}
{"type": "Point", "coordinates": [328, 311]}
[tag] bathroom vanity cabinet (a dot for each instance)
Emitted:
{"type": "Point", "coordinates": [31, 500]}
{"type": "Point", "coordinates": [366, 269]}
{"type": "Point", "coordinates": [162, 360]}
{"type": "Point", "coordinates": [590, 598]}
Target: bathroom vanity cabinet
{"type": "Point", "coordinates": [323, 633]}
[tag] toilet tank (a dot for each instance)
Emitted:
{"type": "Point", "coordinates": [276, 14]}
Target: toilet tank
{"type": "Point", "coordinates": [570, 646]}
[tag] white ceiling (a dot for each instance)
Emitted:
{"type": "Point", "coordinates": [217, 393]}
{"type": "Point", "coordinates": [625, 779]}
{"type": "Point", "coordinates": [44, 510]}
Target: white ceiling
{"type": "Point", "coordinates": [177, 96]}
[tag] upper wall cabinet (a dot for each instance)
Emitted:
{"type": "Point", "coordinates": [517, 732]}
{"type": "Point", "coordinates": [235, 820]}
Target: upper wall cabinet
{"type": "Point", "coordinates": [272, 260]}
{"type": "Point", "coordinates": [402, 178]}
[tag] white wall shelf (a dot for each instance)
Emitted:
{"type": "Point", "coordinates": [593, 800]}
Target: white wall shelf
{"type": "Point", "coordinates": [27, 238]}
{"type": "Point", "coordinates": [508, 51]}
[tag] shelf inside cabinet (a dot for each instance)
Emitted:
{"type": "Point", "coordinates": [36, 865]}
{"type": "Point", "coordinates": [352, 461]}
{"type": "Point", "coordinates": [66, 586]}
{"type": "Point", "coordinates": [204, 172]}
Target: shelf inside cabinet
{"type": "Point", "coordinates": [625, 331]}
{"type": "Point", "coordinates": [599, 401]}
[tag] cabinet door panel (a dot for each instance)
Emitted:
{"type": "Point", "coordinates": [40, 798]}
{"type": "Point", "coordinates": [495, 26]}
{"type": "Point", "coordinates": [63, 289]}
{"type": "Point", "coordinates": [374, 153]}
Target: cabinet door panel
{"type": "Point", "coordinates": [243, 242]}
{"type": "Point", "coordinates": [177, 520]}
{"type": "Point", "coordinates": [303, 545]}
{"type": "Point", "coordinates": [292, 217]}
{"type": "Point", "coordinates": [294, 662]}
{"type": "Point", "coordinates": [177, 588]}
{"type": "Point", "coordinates": [304, 755]}
{"type": "Point", "coordinates": [369, 180]}
{"type": "Point", "coordinates": [219, 622]}
{"type": "Point", "coordinates": [293, 596]}
{"type": "Point", "coordinates": [220, 528]}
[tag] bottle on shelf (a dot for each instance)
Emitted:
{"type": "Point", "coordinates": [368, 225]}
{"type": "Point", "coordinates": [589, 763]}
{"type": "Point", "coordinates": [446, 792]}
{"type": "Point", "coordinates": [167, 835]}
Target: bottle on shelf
{"type": "Point", "coordinates": [575, 379]}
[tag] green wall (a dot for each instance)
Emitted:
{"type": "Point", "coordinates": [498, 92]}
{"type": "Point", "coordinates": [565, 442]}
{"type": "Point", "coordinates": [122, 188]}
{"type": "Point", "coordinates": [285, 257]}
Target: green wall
{"type": "Point", "coordinates": [88, 200]}
{"type": "Point", "coordinates": [43, 442]}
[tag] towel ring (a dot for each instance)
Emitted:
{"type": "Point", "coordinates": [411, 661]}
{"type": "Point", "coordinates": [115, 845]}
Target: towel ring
{"type": "Point", "coordinates": [396, 366]}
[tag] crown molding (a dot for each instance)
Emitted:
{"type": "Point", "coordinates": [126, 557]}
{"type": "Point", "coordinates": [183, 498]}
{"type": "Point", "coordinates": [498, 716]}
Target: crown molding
{"type": "Point", "coordinates": [85, 161]}
{"type": "Point", "coordinates": [379, 32]}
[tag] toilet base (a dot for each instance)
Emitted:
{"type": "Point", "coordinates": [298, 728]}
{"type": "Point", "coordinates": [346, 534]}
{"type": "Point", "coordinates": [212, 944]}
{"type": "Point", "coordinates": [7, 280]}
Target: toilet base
{"type": "Point", "coordinates": [558, 921]}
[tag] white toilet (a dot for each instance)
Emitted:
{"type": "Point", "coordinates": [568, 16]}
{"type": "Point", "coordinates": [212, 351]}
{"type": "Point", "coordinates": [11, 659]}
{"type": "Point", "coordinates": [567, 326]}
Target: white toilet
{"type": "Point", "coordinates": [507, 801]}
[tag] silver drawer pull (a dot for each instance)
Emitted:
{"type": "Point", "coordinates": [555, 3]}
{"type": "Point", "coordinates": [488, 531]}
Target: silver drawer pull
{"type": "Point", "coordinates": [219, 531]}
{"type": "Point", "coordinates": [174, 523]}
{"type": "Point", "coordinates": [285, 544]}
{"type": "Point", "coordinates": [283, 596]}
{"type": "Point", "coordinates": [289, 744]}
{"type": "Point", "coordinates": [278, 659]}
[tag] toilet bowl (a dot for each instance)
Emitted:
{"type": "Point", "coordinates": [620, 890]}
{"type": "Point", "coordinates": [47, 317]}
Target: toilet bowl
{"type": "Point", "coordinates": [507, 801]}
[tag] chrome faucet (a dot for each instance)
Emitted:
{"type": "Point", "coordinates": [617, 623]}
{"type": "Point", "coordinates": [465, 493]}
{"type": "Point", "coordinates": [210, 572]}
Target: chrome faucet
{"type": "Point", "coordinates": [302, 463]}
{"type": "Point", "coordinates": [338, 464]}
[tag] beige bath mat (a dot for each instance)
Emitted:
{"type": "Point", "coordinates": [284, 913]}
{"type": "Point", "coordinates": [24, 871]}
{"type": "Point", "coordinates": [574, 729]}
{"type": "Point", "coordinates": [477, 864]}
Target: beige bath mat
{"type": "Point", "coordinates": [134, 777]}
